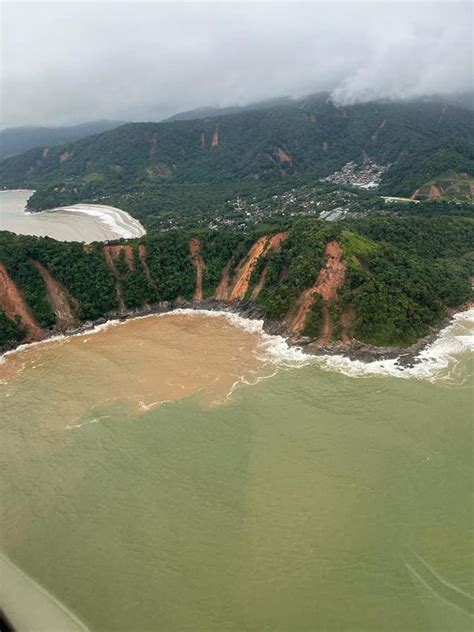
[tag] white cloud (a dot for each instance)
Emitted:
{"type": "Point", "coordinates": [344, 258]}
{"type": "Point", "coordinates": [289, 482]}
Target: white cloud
{"type": "Point", "coordinates": [71, 61]}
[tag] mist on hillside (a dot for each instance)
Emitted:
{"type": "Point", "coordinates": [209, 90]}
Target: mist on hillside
{"type": "Point", "coordinates": [63, 63]}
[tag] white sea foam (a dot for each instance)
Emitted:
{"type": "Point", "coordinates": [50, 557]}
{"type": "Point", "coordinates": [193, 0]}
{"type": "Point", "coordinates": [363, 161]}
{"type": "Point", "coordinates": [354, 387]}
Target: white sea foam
{"type": "Point", "coordinates": [85, 423]}
{"type": "Point", "coordinates": [436, 362]}
{"type": "Point", "coordinates": [143, 406]}
{"type": "Point", "coordinates": [120, 223]}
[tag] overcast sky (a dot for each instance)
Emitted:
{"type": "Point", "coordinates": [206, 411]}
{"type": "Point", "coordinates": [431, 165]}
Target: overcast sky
{"type": "Point", "coordinates": [70, 62]}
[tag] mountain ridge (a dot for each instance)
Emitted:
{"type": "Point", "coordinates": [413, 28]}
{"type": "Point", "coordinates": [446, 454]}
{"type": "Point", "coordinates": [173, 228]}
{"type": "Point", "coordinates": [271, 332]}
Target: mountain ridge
{"type": "Point", "coordinates": [16, 140]}
{"type": "Point", "coordinates": [414, 142]}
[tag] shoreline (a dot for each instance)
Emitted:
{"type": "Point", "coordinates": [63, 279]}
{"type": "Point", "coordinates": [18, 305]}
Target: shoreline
{"type": "Point", "coordinates": [407, 357]}
{"type": "Point", "coordinates": [118, 221]}
{"type": "Point", "coordinates": [103, 222]}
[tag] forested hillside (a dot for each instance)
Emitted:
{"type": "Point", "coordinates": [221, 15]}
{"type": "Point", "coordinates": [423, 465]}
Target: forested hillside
{"type": "Point", "coordinates": [412, 143]}
{"type": "Point", "coordinates": [382, 281]}
{"type": "Point", "coordinates": [16, 140]}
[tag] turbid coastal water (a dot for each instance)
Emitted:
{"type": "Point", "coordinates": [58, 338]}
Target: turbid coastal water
{"type": "Point", "coordinates": [79, 222]}
{"type": "Point", "coordinates": [188, 472]}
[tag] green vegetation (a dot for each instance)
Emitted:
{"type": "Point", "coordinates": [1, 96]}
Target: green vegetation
{"type": "Point", "coordinates": [401, 273]}
{"type": "Point", "coordinates": [309, 138]}
{"type": "Point", "coordinates": [11, 331]}
{"type": "Point", "coordinates": [314, 321]}
{"type": "Point", "coordinates": [16, 140]}
{"type": "Point", "coordinates": [420, 266]}
{"type": "Point", "coordinates": [449, 186]}
{"type": "Point", "coordinates": [84, 274]}
{"type": "Point", "coordinates": [295, 267]}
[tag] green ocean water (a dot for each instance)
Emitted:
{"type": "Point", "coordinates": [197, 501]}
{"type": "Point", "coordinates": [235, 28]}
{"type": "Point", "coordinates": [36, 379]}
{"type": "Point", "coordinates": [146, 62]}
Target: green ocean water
{"type": "Point", "coordinates": [312, 500]}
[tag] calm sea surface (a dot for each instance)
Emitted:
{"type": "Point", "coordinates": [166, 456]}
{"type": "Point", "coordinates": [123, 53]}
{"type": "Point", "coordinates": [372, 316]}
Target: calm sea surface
{"type": "Point", "coordinates": [184, 472]}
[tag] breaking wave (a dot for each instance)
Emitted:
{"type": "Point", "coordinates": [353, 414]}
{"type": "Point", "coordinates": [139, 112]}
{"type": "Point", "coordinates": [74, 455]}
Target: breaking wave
{"type": "Point", "coordinates": [120, 223]}
{"type": "Point", "coordinates": [438, 361]}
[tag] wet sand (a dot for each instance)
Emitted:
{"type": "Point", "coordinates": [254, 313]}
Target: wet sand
{"type": "Point", "coordinates": [79, 222]}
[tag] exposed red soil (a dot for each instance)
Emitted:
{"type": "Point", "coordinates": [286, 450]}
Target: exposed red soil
{"type": "Point", "coordinates": [215, 138]}
{"type": "Point", "coordinates": [64, 156]}
{"type": "Point", "coordinates": [434, 192]}
{"type": "Point", "coordinates": [245, 269]}
{"type": "Point", "coordinates": [87, 248]}
{"type": "Point", "coordinates": [57, 297]}
{"type": "Point", "coordinates": [203, 140]}
{"type": "Point", "coordinates": [142, 255]}
{"type": "Point", "coordinates": [161, 169]}
{"type": "Point", "coordinates": [261, 282]}
{"type": "Point", "coordinates": [330, 279]}
{"type": "Point", "coordinates": [283, 156]}
{"type": "Point", "coordinates": [152, 140]}
{"type": "Point", "coordinates": [45, 152]}
{"type": "Point", "coordinates": [13, 305]}
{"type": "Point", "coordinates": [247, 265]}
{"type": "Point", "coordinates": [198, 263]}
{"type": "Point", "coordinates": [223, 287]}
{"type": "Point", "coordinates": [273, 244]}
{"type": "Point", "coordinates": [113, 252]}
{"type": "Point", "coordinates": [276, 241]}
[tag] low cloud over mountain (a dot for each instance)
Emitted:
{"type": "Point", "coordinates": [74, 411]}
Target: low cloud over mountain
{"type": "Point", "coordinates": [68, 62]}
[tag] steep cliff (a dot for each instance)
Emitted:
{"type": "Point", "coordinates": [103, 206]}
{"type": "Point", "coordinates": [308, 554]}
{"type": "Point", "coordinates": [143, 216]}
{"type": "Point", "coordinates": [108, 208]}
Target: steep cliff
{"type": "Point", "coordinates": [313, 282]}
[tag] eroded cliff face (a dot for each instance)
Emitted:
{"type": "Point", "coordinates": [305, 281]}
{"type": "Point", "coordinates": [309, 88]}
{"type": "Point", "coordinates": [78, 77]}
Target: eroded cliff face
{"type": "Point", "coordinates": [233, 289]}
{"type": "Point", "coordinates": [245, 269]}
{"type": "Point", "coordinates": [143, 254]}
{"type": "Point", "coordinates": [198, 263]}
{"type": "Point", "coordinates": [112, 253]}
{"type": "Point", "coordinates": [238, 289]}
{"type": "Point", "coordinates": [58, 298]}
{"type": "Point", "coordinates": [329, 280]}
{"type": "Point", "coordinates": [15, 307]}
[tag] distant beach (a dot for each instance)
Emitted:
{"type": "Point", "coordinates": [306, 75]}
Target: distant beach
{"type": "Point", "coordinates": [78, 222]}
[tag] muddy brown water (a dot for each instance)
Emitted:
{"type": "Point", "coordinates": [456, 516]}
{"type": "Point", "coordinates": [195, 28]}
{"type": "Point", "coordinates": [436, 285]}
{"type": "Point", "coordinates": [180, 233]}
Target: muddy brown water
{"type": "Point", "coordinates": [178, 472]}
